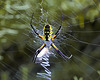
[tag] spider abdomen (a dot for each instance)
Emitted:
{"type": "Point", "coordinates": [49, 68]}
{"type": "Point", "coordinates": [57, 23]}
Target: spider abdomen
{"type": "Point", "coordinates": [47, 32]}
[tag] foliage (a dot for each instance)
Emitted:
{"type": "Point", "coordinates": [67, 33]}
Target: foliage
{"type": "Point", "coordinates": [16, 48]}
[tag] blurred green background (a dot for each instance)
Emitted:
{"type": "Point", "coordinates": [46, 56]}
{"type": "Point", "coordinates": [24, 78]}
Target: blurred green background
{"type": "Point", "coordinates": [80, 35]}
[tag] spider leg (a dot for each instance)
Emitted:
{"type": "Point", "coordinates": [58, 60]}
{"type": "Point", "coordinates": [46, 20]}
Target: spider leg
{"type": "Point", "coordinates": [60, 53]}
{"type": "Point", "coordinates": [37, 52]}
{"type": "Point", "coordinates": [34, 28]}
{"type": "Point", "coordinates": [58, 31]}
{"type": "Point", "coordinates": [35, 56]}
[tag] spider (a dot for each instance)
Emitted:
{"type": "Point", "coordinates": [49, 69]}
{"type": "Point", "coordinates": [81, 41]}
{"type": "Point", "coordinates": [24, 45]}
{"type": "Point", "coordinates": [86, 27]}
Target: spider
{"type": "Point", "coordinates": [47, 37]}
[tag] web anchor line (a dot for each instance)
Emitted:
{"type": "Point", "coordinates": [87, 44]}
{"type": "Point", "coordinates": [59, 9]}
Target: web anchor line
{"type": "Point", "coordinates": [45, 63]}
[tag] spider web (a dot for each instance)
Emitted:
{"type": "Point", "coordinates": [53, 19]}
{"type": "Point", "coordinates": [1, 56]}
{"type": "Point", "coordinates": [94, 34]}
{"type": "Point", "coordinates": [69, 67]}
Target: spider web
{"type": "Point", "coordinates": [85, 61]}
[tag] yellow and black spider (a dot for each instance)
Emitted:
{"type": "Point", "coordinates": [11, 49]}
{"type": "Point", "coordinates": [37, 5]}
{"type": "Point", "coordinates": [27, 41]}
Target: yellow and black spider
{"type": "Point", "coordinates": [48, 38]}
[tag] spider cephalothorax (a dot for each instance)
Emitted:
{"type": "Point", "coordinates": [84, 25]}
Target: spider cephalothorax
{"type": "Point", "coordinates": [47, 37]}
